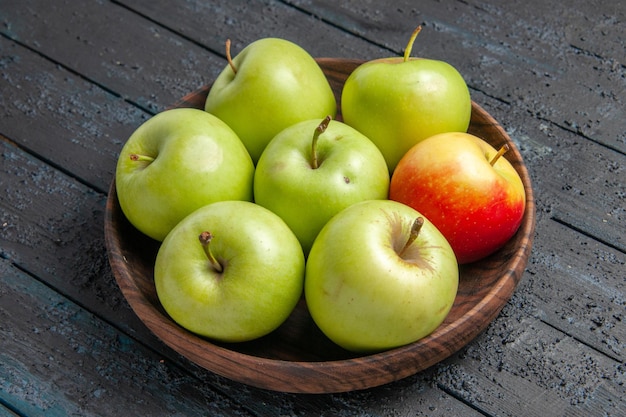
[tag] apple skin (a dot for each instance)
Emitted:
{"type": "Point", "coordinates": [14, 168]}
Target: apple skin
{"type": "Point", "coordinates": [398, 103]}
{"type": "Point", "coordinates": [260, 284]}
{"type": "Point", "coordinates": [366, 297]}
{"type": "Point", "coordinates": [277, 84]}
{"type": "Point", "coordinates": [198, 160]}
{"type": "Point", "coordinates": [350, 169]}
{"type": "Point", "coordinates": [449, 179]}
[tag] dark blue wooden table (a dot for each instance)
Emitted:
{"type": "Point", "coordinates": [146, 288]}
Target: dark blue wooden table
{"type": "Point", "coordinates": [77, 77]}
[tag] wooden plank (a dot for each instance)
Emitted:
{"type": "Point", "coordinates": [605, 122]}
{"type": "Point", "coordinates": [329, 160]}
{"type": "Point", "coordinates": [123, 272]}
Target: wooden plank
{"type": "Point", "coordinates": [5, 412]}
{"type": "Point", "coordinates": [113, 47]}
{"type": "Point", "coordinates": [522, 366]}
{"type": "Point", "coordinates": [150, 64]}
{"type": "Point", "coordinates": [245, 23]}
{"type": "Point", "coordinates": [576, 181]}
{"type": "Point", "coordinates": [592, 26]}
{"type": "Point", "coordinates": [56, 359]}
{"type": "Point", "coordinates": [583, 296]}
{"type": "Point", "coordinates": [572, 38]}
{"type": "Point", "coordinates": [52, 226]}
{"type": "Point", "coordinates": [527, 56]}
{"type": "Point", "coordinates": [415, 396]}
{"type": "Point", "coordinates": [67, 121]}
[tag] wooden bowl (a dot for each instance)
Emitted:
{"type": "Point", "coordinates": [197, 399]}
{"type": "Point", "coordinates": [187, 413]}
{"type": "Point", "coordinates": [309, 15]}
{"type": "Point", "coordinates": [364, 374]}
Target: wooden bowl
{"type": "Point", "coordinates": [297, 357]}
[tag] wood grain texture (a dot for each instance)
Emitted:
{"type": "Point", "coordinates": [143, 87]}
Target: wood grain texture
{"type": "Point", "coordinates": [51, 348]}
{"type": "Point", "coordinates": [64, 119]}
{"type": "Point", "coordinates": [245, 22]}
{"type": "Point", "coordinates": [145, 63]}
{"type": "Point", "coordinates": [534, 348]}
{"type": "Point", "coordinates": [297, 357]}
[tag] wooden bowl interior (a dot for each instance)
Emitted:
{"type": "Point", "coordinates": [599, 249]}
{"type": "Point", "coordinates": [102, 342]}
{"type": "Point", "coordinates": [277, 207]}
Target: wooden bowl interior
{"type": "Point", "coordinates": [297, 357]}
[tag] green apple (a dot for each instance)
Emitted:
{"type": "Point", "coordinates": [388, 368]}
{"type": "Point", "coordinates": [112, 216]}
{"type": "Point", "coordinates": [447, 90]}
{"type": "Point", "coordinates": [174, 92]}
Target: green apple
{"type": "Point", "coordinates": [397, 101]}
{"type": "Point", "coordinates": [176, 162]}
{"type": "Point", "coordinates": [231, 271]}
{"type": "Point", "coordinates": [475, 197]}
{"type": "Point", "coordinates": [312, 170]}
{"type": "Point", "coordinates": [271, 84]}
{"type": "Point", "coordinates": [379, 276]}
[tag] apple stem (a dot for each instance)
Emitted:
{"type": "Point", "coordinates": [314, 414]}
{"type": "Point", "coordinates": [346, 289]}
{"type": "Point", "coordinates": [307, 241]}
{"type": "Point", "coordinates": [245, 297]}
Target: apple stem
{"type": "Point", "coordinates": [501, 152]}
{"type": "Point", "coordinates": [137, 157]}
{"type": "Point", "coordinates": [409, 46]}
{"type": "Point", "coordinates": [415, 231]}
{"type": "Point", "coordinates": [321, 128]}
{"type": "Point", "coordinates": [229, 57]}
{"type": "Point", "coordinates": [205, 240]}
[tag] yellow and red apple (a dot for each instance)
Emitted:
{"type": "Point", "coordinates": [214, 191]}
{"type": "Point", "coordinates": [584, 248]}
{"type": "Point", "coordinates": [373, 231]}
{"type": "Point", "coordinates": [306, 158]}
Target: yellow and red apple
{"type": "Point", "coordinates": [464, 186]}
